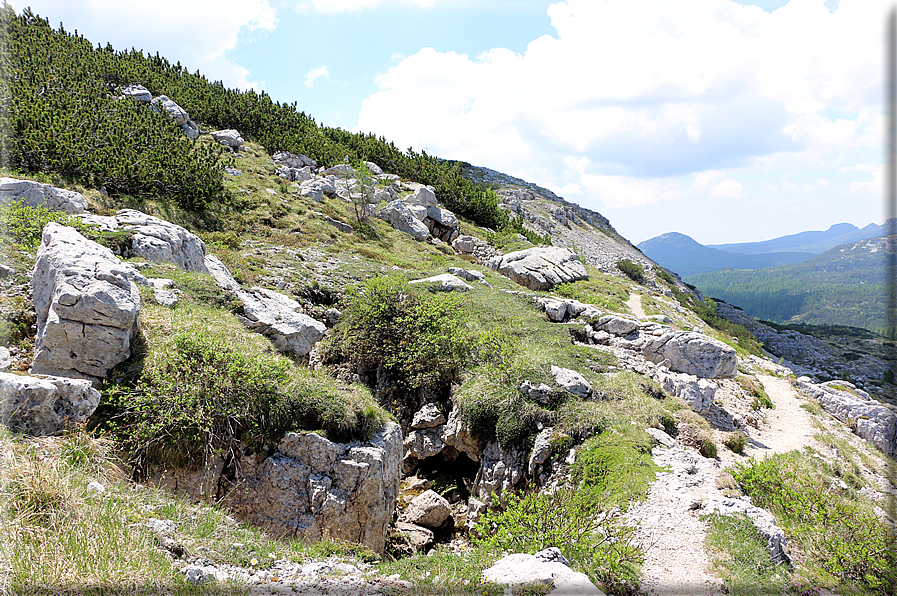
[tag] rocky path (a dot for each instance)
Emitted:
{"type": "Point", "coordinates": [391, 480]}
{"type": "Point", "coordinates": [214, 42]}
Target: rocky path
{"type": "Point", "coordinates": [635, 305]}
{"type": "Point", "coordinates": [669, 520]}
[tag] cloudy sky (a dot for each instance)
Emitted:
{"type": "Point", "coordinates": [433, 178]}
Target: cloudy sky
{"type": "Point", "coordinates": [727, 121]}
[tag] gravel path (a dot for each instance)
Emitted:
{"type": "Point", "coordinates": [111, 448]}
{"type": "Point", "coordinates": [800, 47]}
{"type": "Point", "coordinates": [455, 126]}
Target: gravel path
{"type": "Point", "coordinates": [635, 305]}
{"type": "Point", "coordinates": [669, 520]}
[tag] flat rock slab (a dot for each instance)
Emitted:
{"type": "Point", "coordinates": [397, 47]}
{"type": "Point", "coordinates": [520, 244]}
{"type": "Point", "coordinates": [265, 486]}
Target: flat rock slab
{"type": "Point", "coordinates": [521, 569]}
{"type": "Point", "coordinates": [277, 316]}
{"type": "Point", "coordinates": [444, 283]}
{"type": "Point", "coordinates": [43, 406]}
{"type": "Point", "coordinates": [87, 306]}
{"type": "Point", "coordinates": [540, 268]}
{"type": "Point", "coordinates": [36, 194]}
{"type": "Point", "coordinates": [693, 354]}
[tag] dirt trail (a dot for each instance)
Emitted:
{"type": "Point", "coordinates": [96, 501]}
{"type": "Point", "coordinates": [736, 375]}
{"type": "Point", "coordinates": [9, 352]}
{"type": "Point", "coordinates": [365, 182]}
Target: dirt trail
{"type": "Point", "coordinates": [676, 563]}
{"type": "Point", "coordinates": [635, 305]}
{"type": "Point", "coordinates": [788, 426]}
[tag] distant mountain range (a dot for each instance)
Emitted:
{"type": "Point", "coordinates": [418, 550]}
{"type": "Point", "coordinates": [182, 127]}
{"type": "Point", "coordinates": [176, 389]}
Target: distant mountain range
{"type": "Point", "coordinates": [685, 256]}
{"type": "Point", "coordinates": [843, 286]}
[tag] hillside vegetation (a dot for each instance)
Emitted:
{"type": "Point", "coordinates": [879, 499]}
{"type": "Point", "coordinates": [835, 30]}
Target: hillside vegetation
{"type": "Point", "coordinates": [200, 391]}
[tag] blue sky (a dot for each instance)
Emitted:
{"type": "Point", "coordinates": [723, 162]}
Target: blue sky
{"type": "Point", "coordinates": [727, 121]}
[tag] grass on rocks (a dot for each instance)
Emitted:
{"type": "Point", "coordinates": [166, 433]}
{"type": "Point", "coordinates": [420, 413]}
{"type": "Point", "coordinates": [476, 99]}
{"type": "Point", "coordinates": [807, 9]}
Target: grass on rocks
{"type": "Point", "coordinates": [740, 557]}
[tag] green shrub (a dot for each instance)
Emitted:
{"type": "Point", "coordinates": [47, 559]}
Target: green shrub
{"type": "Point", "coordinates": [201, 396]}
{"type": "Point", "coordinates": [617, 464]}
{"type": "Point", "coordinates": [755, 390]}
{"type": "Point", "coordinates": [596, 541]}
{"type": "Point", "coordinates": [736, 442]}
{"type": "Point", "coordinates": [632, 270]}
{"type": "Point", "coordinates": [829, 530]}
{"type": "Point", "coordinates": [419, 338]}
{"type": "Point", "coordinates": [23, 224]}
{"type": "Point", "coordinates": [665, 275]}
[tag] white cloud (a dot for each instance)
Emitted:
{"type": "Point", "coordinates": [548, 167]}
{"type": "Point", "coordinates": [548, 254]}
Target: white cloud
{"type": "Point", "coordinates": [629, 95]}
{"type": "Point", "coordinates": [197, 33]}
{"type": "Point", "coordinates": [338, 6]}
{"type": "Point", "coordinates": [316, 73]}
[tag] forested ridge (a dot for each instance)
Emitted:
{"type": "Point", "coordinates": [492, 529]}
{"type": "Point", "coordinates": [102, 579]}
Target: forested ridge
{"type": "Point", "coordinates": [843, 286]}
{"type": "Point", "coordinates": [63, 113]}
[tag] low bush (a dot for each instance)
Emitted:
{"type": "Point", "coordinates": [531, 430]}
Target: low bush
{"type": "Point", "coordinates": [741, 558]}
{"type": "Point", "coordinates": [596, 541]}
{"type": "Point", "coordinates": [830, 533]}
{"type": "Point", "coordinates": [755, 389]}
{"type": "Point", "coordinates": [199, 395]}
{"type": "Point", "coordinates": [632, 270]}
{"type": "Point", "coordinates": [736, 442]}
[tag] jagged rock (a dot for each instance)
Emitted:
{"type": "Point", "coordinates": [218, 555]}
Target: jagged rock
{"type": "Point", "coordinates": [220, 273]}
{"type": "Point", "coordinates": [418, 211]}
{"type": "Point", "coordinates": [763, 520]}
{"type": "Point", "coordinates": [36, 194]}
{"type": "Point", "coordinates": [428, 416]}
{"type": "Point", "coordinates": [191, 129]}
{"type": "Point", "coordinates": [874, 421]}
{"type": "Point", "coordinates": [617, 325]}
{"type": "Point", "coordinates": [540, 268]}
{"type": "Point", "coordinates": [401, 218]}
{"type": "Point", "coordinates": [500, 471]}
{"type": "Point", "coordinates": [415, 538]}
{"type": "Point", "coordinates": [555, 309]}
{"type": "Point", "coordinates": [467, 274]}
{"type": "Point", "coordinates": [293, 160]}
{"type": "Point", "coordinates": [86, 305]}
{"type": "Point", "coordinates": [521, 569]}
{"type": "Point", "coordinates": [294, 174]}
{"type": "Point", "coordinates": [445, 282]}
{"type": "Point", "coordinates": [661, 438]}
{"type": "Point", "coordinates": [456, 436]}
{"type": "Point", "coordinates": [374, 168]}
{"type": "Point", "coordinates": [571, 381]}
{"type": "Point", "coordinates": [278, 317]}
{"type": "Point", "coordinates": [311, 487]}
{"type": "Point", "coordinates": [160, 241]}
{"type": "Point", "coordinates": [229, 137]}
{"type": "Point", "coordinates": [165, 298]}
{"type": "Point", "coordinates": [540, 393]}
{"type": "Point", "coordinates": [5, 359]}
{"type": "Point", "coordinates": [173, 110]}
{"type": "Point", "coordinates": [475, 508]}
{"type": "Point", "coordinates": [421, 444]}
{"type": "Point", "coordinates": [541, 450]}
{"type": "Point", "coordinates": [423, 196]}
{"type": "Point", "coordinates": [694, 354]}
{"type": "Point", "coordinates": [428, 509]}
{"type": "Point", "coordinates": [46, 405]}
{"type": "Point", "coordinates": [138, 92]}
{"type": "Point", "coordinates": [697, 393]}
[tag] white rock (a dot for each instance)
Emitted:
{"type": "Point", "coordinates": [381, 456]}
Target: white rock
{"type": "Point", "coordinates": [521, 569]}
{"type": "Point", "coordinates": [541, 450]}
{"type": "Point", "coordinates": [694, 354]}
{"type": "Point", "coordinates": [229, 137]}
{"type": "Point", "coordinates": [422, 196]}
{"type": "Point", "coordinates": [45, 405]}
{"type": "Point", "coordinates": [401, 218]}
{"type": "Point", "coordinates": [220, 273]}
{"type": "Point", "coordinates": [173, 110]}
{"type": "Point", "coordinates": [571, 381]}
{"type": "Point", "coordinates": [160, 241]}
{"type": "Point", "coordinates": [445, 282]}
{"type": "Point", "coordinates": [36, 194]}
{"type": "Point", "coordinates": [277, 317]}
{"type": "Point", "coordinates": [138, 92]}
{"type": "Point", "coordinates": [428, 416]}
{"type": "Point", "coordinates": [540, 268]}
{"type": "Point", "coordinates": [428, 509]}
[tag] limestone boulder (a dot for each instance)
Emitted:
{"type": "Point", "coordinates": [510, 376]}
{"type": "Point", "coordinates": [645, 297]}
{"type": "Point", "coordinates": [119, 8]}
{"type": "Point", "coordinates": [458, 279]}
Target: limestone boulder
{"type": "Point", "coordinates": [294, 160]}
{"type": "Point", "coordinates": [311, 487]}
{"type": "Point", "coordinates": [411, 538]}
{"type": "Point", "coordinates": [87, 306]}
{"type": "Point", "coordinates": [167, 106]}
{"type": "Point", "coordinates": [138, 92]}
{"type": "Point", "coordinates": [229, 137]}
{"type": "Point", "coordinates": [540, 268]}
{"type": "Point", "coordinates": [423, 196]}
{"type": "Point", "coordinates": [428, 509]}
{"type": "Point", "coordinates": [571, 381]}
{"type": "Point", "coordinates": [523, 569]}
{"type": "Point", "coordinates": [160, 241]}
{"type": "Point", "coordinates": [428, 416]}
{"type": "Point", "coordinates": [220, 273]}
{"type": "Point", "coordinates": [46, 405]}
{"type": "Point", "coordinates": [397, 214]}
{"type": "Point", "coordinates": [617, 325]}
{"type": "Point", "coordinates": [541, 450]}
{"type": "Point", "coordinates": [458, 437]}
{"type": "Point", "coordinates": [445, 282]}
{"type": "Point", "coordinates": [36, 194]}
{"type": "Point", "coordinates": [279, 318]}
{"type": "Point", "coordinates": [697, 393]}
{"type": "Point", "coordinates": [692, 353]}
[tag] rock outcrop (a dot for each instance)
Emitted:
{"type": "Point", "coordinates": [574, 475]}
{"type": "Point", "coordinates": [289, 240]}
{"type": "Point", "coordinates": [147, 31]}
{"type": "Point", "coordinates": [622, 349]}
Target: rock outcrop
{"type": "Point", "coordinates": [540, 268]}
{"type": "Point", "coordinates": [500, 470]}
{"type": "Point", "coordinates": [444, 283]}
{"type": "Point", "coordinates": [36, 194]}
{"type": "Point", "coordinates": [400, 217]}
{"type": "Point", "coordinates": [872, 420]}
{"type": "Point", "coordinates": [279, 318]}
{"type": "Point", "coordinates": [311, 487]}
{"type": "Point", "coordinates": [87, 306]}
{"type": "Point", "coordinates": [543, 568]}
{"type": "Point", "coordinates": [47, 405]}
{"type": "Point", "coordinates": [776, 544]}
{"type": "Point", "coordinates": [160, 241]}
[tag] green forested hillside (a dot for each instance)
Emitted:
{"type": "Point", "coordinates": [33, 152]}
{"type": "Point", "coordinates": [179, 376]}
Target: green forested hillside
{"type": "Point", "coordinates": [64, 114]}
{"type": "Point", "coordinates": [844, 286]}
